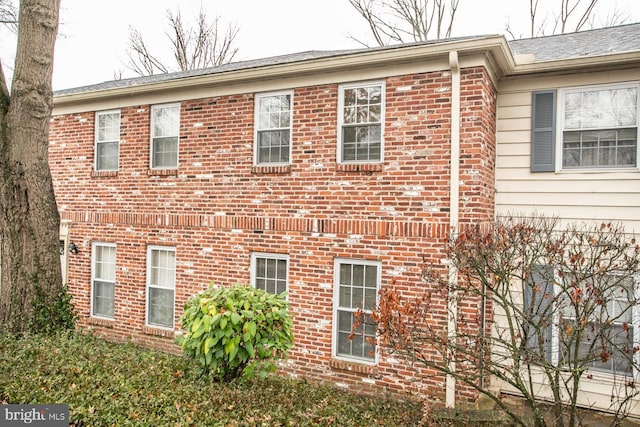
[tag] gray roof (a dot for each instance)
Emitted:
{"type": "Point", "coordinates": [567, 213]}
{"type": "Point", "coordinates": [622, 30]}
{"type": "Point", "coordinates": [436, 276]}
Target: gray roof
{"type": "Point", "coordinates": [242, 65]}
{"type": "Point", "coordinates": [603, 41]}
{"type": "Point", "coordinates": [625, 38]}
{"type": "Point", "coordinates": [234, 66]}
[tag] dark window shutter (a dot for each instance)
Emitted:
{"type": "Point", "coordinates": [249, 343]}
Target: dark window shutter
{"type": "Point", "coordinates": [538, 311]}
{"type": "Point", "coordinates": [543, 132]}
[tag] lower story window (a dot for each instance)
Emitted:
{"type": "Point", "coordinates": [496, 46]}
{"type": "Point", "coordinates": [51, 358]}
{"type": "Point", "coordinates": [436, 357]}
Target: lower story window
{"type": "Point", "coordinates": [103, 279]}
{"type": "Point", "coordinates": [269, 272]}
{"type": "Point", "coordinates": [161, 284]}
{"type": "Point", "coordinates": [592, 323]}
{"type": "Point", "coordinates": [356, 288]}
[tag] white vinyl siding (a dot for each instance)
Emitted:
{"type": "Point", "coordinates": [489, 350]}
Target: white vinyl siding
{"type": "Point", "coordinates": [161, 284]}
{"type": "Point", "coordinates": [361, 123]}
{"type": "Point", "coordinates": [273, 128]}
{"type": "Point", "coordinates": [571, 195]}
{"type": "Point", "coordinates": [103, 279]}
{"type": "Point", "coordinates": [165, 135]}
{"type": "Point", "coordinates": [107, 146]}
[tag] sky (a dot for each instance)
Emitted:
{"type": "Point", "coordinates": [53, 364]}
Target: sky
{"type": "Point", "coordinates": [91, 47]}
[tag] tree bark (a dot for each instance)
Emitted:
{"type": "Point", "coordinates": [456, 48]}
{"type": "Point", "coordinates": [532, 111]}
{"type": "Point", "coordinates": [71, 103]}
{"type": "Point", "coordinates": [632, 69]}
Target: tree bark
{"type": "Point", "coordinates": [30, 275]}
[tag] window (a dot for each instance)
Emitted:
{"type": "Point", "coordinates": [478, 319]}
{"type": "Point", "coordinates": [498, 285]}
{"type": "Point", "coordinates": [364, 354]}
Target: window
{"type": "Point", "coordinates": [611, 328]}
{"type": "Point", "coordinates": [107, 140]}
{"type": "Point", "coordinates": [103, 279]}
{"type": "Point", "coordinates": [356, 288]}
{"type": "Point", "coordinates": [269, 272]}
{"type": "Point", "coordinates": [361, 117]}
{"type": "Point", "coordinates": [273, 128]}
{"type": "Point", "coordinates": [597, 128]}
{"type": "Point", "coordinates": [161, 284]}
{"type": "Point", "coordinates": [607, 339]}
{"type": "Point", "coordinates": [165, 130]}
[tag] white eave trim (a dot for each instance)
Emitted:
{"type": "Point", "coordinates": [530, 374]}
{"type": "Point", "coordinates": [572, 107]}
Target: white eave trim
{"type": "Point", "coordinates": [573, 64]}
{"type": "Point", "coordinates": [340, 62]}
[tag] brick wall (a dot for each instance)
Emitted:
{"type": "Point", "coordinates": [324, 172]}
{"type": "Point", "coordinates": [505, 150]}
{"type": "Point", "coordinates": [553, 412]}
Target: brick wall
{"type": "Point", "coordinates": [218, 208]}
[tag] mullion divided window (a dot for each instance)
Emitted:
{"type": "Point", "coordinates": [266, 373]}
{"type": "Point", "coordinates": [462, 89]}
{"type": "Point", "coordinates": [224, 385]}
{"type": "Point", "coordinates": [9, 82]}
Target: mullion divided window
{"type": "Point", "coordinates": [103, 279]}
{"type": "Point", "coordinates": [273, 128]}
{"type": "Point", "coordinates": [269, 272]}
{"type": "Point", "coordinates": [361, 119]}
{"type": "Point", "coordinates": [600, 127]}
{"type": "Point", "coordinates": [161, 283]}
{"type": "Point", "coordinates": [357, 285]}
{"type": "Point", "coordinates": [107, 140]}
{"type": "Point", "coordinates": [165, 134]}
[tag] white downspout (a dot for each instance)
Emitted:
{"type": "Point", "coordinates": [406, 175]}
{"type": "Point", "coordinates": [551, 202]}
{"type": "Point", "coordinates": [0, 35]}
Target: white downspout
{"type": "Point", "coordinates": [454, 212]}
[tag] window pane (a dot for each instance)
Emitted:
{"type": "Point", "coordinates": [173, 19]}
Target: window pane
{"type": "Point", "coordinates": [160, 307]}
{"type": "Point", "coordinates": [162, 272]}
{"type": "Point", "coordinates": [108, 126]}
{"type": "Point", "coordinates": [345, 297]}
{"type": "Point", "coordinates": [357, 297]}
{"type": "Point", "coordinates": [358, 275]}
{"type": "Point", "coordinates": [103, 298]}
{"type": "Point", "coordinates": [273, 146]}
{"type": "Point", "coordinates": [166, 122]}
{"type": "Point", "coordinates": [608, 120]}
{"type": "Point", "coordinates": [107, 156]}
{"type": "Point", "coordinates": [165, 152]}
{"type": "Point", "coordinates": [600, 149]}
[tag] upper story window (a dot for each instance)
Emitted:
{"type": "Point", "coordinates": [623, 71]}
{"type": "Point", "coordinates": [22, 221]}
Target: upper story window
{"type": "Point", "coordinates": [590, 128]}
{"type": "Point", "coordinates": [161, 285]}
{"type": "Point", "coordinates": [165, 133]}
{"type": "Point", "coordinates": [600, 127]}
{"type": "Point", "coordinates": [107, 140]}
{"type": "Point", "coordinates": [269, 272]}
{"type": "Point", "coordinates": [103, 279]}
{"type": "Point", "coordinates": [361, 119]}
{"type": "Point", "coordinates": [273, 128]}
{"type": "Point", "coordinates": [356, 288]}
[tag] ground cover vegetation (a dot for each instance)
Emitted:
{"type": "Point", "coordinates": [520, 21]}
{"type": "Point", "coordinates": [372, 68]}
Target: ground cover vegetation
{"type": "Point", "coordinates": [109, 384]}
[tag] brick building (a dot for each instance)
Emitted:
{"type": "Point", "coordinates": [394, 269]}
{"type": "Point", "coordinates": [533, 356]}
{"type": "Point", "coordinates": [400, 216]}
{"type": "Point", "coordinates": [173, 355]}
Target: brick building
{"type": "Point", "coordinates": [325, 174]}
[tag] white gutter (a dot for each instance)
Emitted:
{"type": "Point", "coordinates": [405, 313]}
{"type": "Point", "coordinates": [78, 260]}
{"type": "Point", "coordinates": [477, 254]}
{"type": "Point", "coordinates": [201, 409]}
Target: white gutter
{"type": "Point", "coordinates": [454, 213]}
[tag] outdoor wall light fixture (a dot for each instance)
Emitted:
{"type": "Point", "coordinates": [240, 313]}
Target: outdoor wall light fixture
{"type": "Point", "coordinates": [73, 248]}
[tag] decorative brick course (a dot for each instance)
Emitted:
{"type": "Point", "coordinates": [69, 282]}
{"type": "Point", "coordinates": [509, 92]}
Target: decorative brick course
{"type": "Point", "coordinates": [217, 207]}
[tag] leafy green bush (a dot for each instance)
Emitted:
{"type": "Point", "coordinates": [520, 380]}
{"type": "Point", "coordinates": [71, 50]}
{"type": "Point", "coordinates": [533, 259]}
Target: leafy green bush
{"type": "Point", "coordinates": [236, 331]}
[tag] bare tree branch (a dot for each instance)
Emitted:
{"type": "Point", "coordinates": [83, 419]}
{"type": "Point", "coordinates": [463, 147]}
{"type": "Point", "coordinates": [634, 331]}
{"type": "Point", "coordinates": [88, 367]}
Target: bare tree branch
{"type": "Point", "coordinates": [8, 14]}
{"type": "Point", "coordinates": [192, 47]}
{"type": "Point", "coordinates": [4, 93]}
{"type": "Point", "coordinates": [571, 16]}
{"type": "Point", "coordinates": [401, 21]}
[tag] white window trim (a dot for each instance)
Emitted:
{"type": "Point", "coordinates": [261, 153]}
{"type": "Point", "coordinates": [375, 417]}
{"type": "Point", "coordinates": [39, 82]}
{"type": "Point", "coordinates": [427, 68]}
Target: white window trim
{"type": "Point", "coordinates": [336, 302]}
{"type": "Point", "coordinates": [559, 142]}
{"type": "Point", "coordinates": [93, 278]}
{"type": "Point", "coordinates": [341, 89]}
{"type": "Point", "coordinates": [256, 118]}
{"type": "Point", "coordinates": [252, 267]}
{"type": "Point", "coordinates": [151, 248]}
{"type": "Point", "coordinates": [95, 145]}
{"type": "Point", "coordinates": [151, 136]}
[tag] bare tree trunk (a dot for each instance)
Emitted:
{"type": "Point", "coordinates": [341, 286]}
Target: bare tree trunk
{"type": "Point", "coordinates": [30, 276]}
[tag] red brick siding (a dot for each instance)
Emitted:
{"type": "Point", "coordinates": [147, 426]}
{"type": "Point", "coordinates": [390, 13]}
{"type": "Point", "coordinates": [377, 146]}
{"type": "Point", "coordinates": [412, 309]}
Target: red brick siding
{"type": "Point", "coordinates": [216, 209]}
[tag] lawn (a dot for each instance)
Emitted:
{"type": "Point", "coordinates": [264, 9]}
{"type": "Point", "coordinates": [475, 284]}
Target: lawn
{"type": "Point", "coordinates": [108, 384]}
